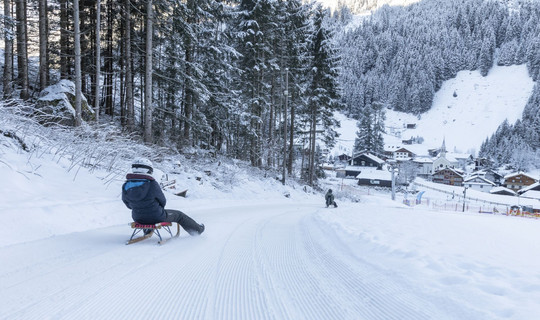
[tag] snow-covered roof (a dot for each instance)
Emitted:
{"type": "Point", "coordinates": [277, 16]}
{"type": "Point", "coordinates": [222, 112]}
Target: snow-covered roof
{"type": "Point", "coordinates": [403, 149]}
{"type": "Point", "coordinates": [456, 171]}
{"type": "Point", "coordinates": [417, 149]}
{"type": "Point", "coordinates": [423, 160]}
{"type": "Point", "coordinates": [475, 177]}
{"type": "Point", "coordinates": [501, 189]}
{"type": "Point", "coordinates": [450, 158]}
{"type": "Point", "coordinates": [372, 157]}
{"type": "Point", "coordinates": [373, 173]}
{"type": "Point", "coordinates": [458, 156]}
{"type": "Point", "coordinates": [533, 194]}
{"type": "Point", "coordinates": [530, 188]}
{"type": "Point", "coordinates": [350, 168]}
{"type": "Point", "coordinates": [514, 174]}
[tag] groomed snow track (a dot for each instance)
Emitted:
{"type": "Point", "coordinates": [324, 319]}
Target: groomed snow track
{"type": "Point", "coordinates": [264, 262]}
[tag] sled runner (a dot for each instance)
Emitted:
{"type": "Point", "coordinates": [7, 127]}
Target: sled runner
{"type": "Point", "coordinates": [148, 230]}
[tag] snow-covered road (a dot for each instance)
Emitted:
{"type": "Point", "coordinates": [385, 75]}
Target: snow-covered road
{"type": "Point", "coordinates": [253, 262]}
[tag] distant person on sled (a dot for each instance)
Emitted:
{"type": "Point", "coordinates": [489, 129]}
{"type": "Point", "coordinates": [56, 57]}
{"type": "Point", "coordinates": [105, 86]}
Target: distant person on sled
{"type": "Point", "coordinates": [330, 199]}
{"type": "Point", "coordinates": [142, 194]}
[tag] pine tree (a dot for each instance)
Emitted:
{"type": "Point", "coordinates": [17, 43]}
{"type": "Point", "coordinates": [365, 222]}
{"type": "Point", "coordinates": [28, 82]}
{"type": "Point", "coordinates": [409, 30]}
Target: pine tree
{"type": "Point", "coordinates": [8, 50]}
{"type": "Point", "coordinates": [78, 76]}
{"type": "Point", "coordinates": [43, 45]}
{"type": "Point", "coordinates": [369, 136]}
{"type": "Point", "coordinates": [485, 60]}
{"type": "Point", "coordinates": [148, 97]}
{"type": "Point", "coordinates": [22, 49]}
{"type": "Point", "coordinates": [323, 95]}
{"type": "Point", "coordinates": [255, 30]}
{"type": "Point", "coordinates": [296, 38]}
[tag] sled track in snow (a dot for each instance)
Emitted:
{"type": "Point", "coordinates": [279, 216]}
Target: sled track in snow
{"type": "Point", "coordinates": [313, 283]}
{"type": "Point", "coordinates": [275, 262]}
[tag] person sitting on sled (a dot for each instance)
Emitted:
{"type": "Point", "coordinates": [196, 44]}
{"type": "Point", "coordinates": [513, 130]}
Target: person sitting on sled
{"type": "Point", "coordinates": [329, 197]}
{"type": "Point", "coordinates": [142, 194]}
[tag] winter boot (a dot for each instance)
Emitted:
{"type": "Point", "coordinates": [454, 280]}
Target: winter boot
{"type": "Point", "coordinates": [201, 230]}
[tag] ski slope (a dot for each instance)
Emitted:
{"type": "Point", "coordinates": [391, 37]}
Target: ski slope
{"type": "Point", "coordinates": [466, 110]}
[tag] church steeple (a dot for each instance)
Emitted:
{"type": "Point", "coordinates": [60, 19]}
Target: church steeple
{"type": "Point", "coordinates": [443, 148]}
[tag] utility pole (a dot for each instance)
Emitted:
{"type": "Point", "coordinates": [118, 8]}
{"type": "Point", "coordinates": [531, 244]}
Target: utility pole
{"type": "Point", "coordinates": [464, 194]}
{"type": "Point", "coordinates": [393, 171]}
{"type": "Point", "coordinates": [285, 124]}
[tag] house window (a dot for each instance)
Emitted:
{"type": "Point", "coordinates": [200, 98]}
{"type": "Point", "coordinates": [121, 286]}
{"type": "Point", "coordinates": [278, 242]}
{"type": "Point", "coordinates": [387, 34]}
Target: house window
{"type": "Point", "coordinates": [362, 163]}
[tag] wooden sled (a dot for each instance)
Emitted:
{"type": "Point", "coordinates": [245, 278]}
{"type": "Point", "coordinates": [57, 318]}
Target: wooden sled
{"type": "Point", "coordinates": [148, 230]}
{"type": "Point", "coordinates": [181, 193]}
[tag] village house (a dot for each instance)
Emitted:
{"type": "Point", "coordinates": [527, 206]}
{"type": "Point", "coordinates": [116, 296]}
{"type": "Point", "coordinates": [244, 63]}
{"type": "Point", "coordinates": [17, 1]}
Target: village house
{"type": "Point", "coordinates": [408, 141]}
{"type": "Point", "coordinates": [500, 190]}
{"type": "Point", "coordinates": [532, 191]}
{"type": "Point", "coordinates": [433, 152]}
{"type": "Point", "coordinates": [461, 159]}
{"type": "Point", "coordinates": [390, 149]}
{"type": "Point", "coordinates": [449, 176]}
{"type": "Point", "coordinates": [359, 163]}
{"type": "Point", "coordinates": [343, 158]}
{"type": "Point", "coordinates": [482, 163]}
{"type": "Point", "coordinates": [348, 172]}
{"type": "Point", "coordinates": [341, 161]}
{"type": "Point", "coordinates": [367, 159]}
{"type": "Point", "coordinates": [517, 181]}
{"type": "Point", "coordinates": [375, 178]}
{"type": "Point", "coordinates": [424, 165]}
{"type": "Point", "coordinates": [402, 154]}
{"type": "Point", "coordinates": [478, 183]}
{"type": "Point", "coordinates": [490, 175]}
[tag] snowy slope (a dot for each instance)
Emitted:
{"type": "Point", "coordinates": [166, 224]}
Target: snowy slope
{"type": "Point", "coordinates": [366, 4]}
{"type": "Point", "coordinates": [263, 256]}
{"type": "Point", "coordinates": [481, 104]}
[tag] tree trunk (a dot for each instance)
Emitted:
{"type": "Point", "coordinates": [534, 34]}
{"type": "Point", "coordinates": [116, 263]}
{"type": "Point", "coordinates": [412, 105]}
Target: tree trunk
{"type": "Point", "coordinates": [148, 76]}
{"type": "Point", "coordinates": [22, 49]}
{"type": "Point", "coordinates": [86, 19]}
{"type": "Point", "coordinates": [8, 50]}
{"type": "Point", "coordinates": [43, 45]}
{"type": "Point", "coordinates": [290, 159]}
{"type": "Point", "coordinates": [129, 77]}
{"type": "Point", "coordinates": [285, 151]}
{"type": "Point", "coordinates": [77, 43]}
{"type": "Point", "coordinates": [313, 143]}
{"type": "Point", "coordinates": [64, 40]}
{"type": "Point", "coordinates": [98, 60]}
{"type": "Point", "coordinates": [108, 63]}
{"type": "Point", "coordinates": [188, 106]}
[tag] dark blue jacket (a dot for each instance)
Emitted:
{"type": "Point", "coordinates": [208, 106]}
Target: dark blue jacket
{"type": "Point", "coordinates": [142, 194]}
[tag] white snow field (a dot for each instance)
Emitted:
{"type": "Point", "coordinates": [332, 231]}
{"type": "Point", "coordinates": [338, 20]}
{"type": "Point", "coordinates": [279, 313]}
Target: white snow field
{"type": "Point", "coordinates": [262, 256]}
{"type": "Point", "coordinates": [463, 121]}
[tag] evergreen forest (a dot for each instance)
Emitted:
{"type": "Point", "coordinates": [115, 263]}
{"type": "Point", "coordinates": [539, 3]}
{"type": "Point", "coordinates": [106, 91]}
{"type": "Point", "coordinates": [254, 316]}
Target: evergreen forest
{"type": "Point", "coordinates": [259, 80]}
